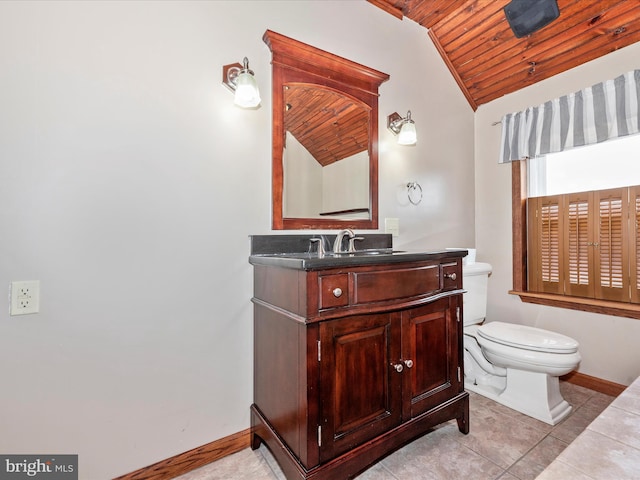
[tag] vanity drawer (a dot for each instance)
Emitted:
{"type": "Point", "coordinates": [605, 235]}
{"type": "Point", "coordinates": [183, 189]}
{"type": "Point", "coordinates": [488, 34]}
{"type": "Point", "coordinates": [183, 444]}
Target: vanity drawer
{"type": "Point", "coordinates": [396, 284]}
{"type": "Point", "coordinates": [451, 276]}
{"type": "Point", "coordinates": [334, 290]}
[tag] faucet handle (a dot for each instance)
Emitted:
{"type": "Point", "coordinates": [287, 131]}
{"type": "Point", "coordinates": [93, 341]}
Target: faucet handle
{"type": "Point", "coordinates": [352, 243]}
{"type": "Point", "coordinates": [320, 246]}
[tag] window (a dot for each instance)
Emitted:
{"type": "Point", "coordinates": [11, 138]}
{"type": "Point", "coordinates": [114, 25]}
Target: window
{"type": "Point", "coordinates": [600, 166]}
{"type": "Point", "coordinates": [580, 247]}
{"type": "Point", "coordinates": [605, 111]}
{"type": "Point", "coordinates": [585, 244]}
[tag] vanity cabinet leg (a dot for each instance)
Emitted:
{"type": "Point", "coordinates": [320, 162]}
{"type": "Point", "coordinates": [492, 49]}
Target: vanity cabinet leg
{"type": "Point", "coordinates": [255, 426]}
{"type": "Point", "coordinates": [463, 420]}
{"type": "Point", "coordinates": [255, 441]}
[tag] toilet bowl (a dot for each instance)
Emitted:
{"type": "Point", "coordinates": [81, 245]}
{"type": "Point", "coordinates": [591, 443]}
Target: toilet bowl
{"type": "Point", "coordinates": [515, 365]}
{"type": "Point", "coordinates": [519, 346]}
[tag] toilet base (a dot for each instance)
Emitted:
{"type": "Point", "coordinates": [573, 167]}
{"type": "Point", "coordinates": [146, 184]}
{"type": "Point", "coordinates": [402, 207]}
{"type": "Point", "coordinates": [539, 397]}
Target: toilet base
{"type": "Point", "coordinates": [533, 393]}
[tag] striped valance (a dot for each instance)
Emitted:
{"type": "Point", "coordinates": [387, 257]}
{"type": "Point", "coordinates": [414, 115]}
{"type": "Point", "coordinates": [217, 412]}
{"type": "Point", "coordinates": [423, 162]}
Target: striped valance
{"type": "Point", "coordinates": [602, 112]}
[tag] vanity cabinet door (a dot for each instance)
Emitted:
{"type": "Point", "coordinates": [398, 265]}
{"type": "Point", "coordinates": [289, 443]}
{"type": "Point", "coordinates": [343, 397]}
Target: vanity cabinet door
{"type": "Point", "coordinates": [359, 384]}
{"type": "Point", "coordinates": [430, 344]}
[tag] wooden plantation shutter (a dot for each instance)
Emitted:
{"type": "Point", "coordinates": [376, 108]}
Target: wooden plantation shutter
{"type": "Point", "coordinates": [578, 251]}
{"type": "Point", "coordinates": [611, 245]}
{"type": "Point", "coordinates": [551, 246]}
{"type": "Point", "coordinates": [545, 240]}
{"type": "Point", "coordinates": [634, 244]}
{"type": "Point", "coordinates": [533, 246]}
{"type": "Point", "coordinates": [585, 244]}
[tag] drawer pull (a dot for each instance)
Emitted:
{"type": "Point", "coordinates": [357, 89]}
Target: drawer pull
{"type": "Point", "coordinates": [398, 367]}
{"type": "Point", "coordinates": [452, 276]}
{"type": "Point", "coordinates": [337, 292]}
{"type": "Point", "coordinates": [408, 363]}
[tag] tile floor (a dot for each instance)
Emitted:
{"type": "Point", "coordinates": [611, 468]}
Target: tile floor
{"type": "Point", "coordinates": [608, 448]}
{"type": "Point", "coordinates": [502, 444]}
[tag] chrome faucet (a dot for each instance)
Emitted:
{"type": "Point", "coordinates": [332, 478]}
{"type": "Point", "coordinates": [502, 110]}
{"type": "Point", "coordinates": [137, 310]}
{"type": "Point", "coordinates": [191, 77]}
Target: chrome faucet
{"type": "Point", "coordinates": [337, 245]}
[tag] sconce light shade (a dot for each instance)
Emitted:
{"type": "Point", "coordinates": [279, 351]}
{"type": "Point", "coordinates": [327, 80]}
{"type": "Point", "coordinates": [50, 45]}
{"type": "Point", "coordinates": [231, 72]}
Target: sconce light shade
{"type": "Point", "coordinates": [405, 128]}
{"type": "Point", "coordinates": [247, 93]}
{"type": "Point", "coordinates": [240, 80]}
{"type": "Point", "coordinates": [407, 135]}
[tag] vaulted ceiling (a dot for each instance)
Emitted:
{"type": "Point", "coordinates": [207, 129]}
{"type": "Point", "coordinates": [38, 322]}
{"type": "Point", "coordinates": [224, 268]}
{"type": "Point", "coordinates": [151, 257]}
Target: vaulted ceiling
{"type": "Point", "coordinates": [488, 61]}
{"type": "Point", "coordinates": [329, 125]}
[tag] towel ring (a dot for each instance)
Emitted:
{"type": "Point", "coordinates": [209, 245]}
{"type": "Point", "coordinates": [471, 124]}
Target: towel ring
{"type": "Point", "coordinates": [413, 189]}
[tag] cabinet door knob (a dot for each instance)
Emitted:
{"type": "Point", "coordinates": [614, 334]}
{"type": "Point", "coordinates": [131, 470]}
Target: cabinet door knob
{"type": "Point", "coordinates": [408, 363]}
{"type": "Point", "coordinates": [452, 276]}
{"type": "Point", "coordinates": [398, 367]}
{"type": "Point", "coordinates": [337, 292]}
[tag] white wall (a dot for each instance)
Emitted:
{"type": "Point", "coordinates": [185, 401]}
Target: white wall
{"type": "Point", "coordinates": [302, 184]}
{"type": "Point", "coordinates": [129, 184]}
{"type": "Point", "coordinates": [345, 184]}
{"type": "Point", "coordinates": [609, 345]}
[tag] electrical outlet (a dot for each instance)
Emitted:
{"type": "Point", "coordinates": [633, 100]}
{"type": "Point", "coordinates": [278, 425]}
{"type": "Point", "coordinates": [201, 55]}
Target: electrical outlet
{"type": "Point", "coordinates": [25, 297]}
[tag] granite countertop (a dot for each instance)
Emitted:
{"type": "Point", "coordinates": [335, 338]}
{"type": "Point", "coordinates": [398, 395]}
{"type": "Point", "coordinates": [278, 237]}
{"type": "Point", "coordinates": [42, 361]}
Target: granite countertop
{"type": "Point", "coordinates": [295, 251]}
{"type": "Point", "coordinates": [311, 261]}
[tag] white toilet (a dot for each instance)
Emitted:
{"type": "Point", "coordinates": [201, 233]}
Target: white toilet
{"type": "Point", "coordinates": [515, 365]}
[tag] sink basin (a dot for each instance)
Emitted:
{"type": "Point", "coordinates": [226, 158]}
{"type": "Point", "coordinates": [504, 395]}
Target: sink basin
{"type": "Point", "coordinates": [381, 251]}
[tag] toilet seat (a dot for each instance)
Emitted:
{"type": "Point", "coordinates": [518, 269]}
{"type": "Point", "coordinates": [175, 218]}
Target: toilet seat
{"type": "Point", "coordinates": [528, 360]}
{"type": "Point", "coordinates": [527, 338]}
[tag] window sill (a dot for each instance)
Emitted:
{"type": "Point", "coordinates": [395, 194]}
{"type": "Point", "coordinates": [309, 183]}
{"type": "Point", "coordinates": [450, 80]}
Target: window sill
{"type": "Point", "coordinates": [618, 309]}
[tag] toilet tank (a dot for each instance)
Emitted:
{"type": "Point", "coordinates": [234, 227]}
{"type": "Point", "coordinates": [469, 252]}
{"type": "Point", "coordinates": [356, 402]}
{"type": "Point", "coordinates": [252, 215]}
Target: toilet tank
{"type": "Point", "coordinates": [475, 282]}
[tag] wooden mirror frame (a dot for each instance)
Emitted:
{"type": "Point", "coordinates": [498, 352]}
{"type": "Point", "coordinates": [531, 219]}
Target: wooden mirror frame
{"type": "Point", "coordinates": [294, 61]}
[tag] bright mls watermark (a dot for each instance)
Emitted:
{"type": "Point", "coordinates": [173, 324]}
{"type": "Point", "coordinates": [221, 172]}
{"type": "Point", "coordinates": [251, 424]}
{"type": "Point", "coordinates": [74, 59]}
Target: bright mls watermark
{"type": "Point", "coordinates": [39, 467]}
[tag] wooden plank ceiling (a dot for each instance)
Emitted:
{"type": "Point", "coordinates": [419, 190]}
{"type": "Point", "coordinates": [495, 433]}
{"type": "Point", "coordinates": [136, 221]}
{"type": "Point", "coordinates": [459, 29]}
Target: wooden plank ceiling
{"type": "Point", "coordinates": [488, 61]}
{"type": "Point", "coordinates": [329, 125]}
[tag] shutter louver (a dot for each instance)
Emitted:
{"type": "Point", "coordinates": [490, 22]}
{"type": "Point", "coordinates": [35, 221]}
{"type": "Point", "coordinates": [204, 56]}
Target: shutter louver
{"type": "Point", "coordinates": [634, 254]}
{"type": "Point", "coordinates": [637, 229]}
{"type": "Point", "coordinates": [611, 243]}
{"type": "Point", "coordinates": [579, 243]}
{"type": "Point", "coordinates": [637, 255]}
{"type": "Point", "coordinates": [550, 244]}
{"type": "Point", "coordinates": [578, 253]}
{"type": "Point", "coordinates": [611, 258]}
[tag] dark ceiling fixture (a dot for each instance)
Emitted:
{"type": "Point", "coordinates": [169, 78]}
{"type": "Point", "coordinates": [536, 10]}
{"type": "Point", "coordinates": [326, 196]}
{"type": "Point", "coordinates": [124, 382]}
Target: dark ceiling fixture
{"type": "Point", "coordinates": [528, 16]}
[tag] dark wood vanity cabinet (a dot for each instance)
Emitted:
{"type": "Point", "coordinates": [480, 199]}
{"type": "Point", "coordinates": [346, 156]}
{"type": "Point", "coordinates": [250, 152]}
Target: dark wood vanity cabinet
{"type": "Point", "coordinates": [430, 337]}
{"type": "Point", "coordinates": [361, 395]}
{"type": "Point", "coordinates": [352, 363]}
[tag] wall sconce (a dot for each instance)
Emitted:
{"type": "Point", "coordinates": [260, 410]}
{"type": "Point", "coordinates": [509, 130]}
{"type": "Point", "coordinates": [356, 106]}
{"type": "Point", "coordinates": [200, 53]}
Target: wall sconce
{"type": "Point", "coordinates": [239, 79]}
{"type": "Point", "coordinates": [405, 128]}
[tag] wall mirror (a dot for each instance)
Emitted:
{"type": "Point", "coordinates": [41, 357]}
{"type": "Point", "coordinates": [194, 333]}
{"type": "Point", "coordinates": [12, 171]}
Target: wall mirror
{"type": "Point", "coordinates": [325, 138]}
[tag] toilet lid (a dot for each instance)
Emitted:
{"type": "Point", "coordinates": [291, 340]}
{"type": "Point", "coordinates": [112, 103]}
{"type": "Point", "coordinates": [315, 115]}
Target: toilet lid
{"type": "Point", "coordinates": [529, 338]}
